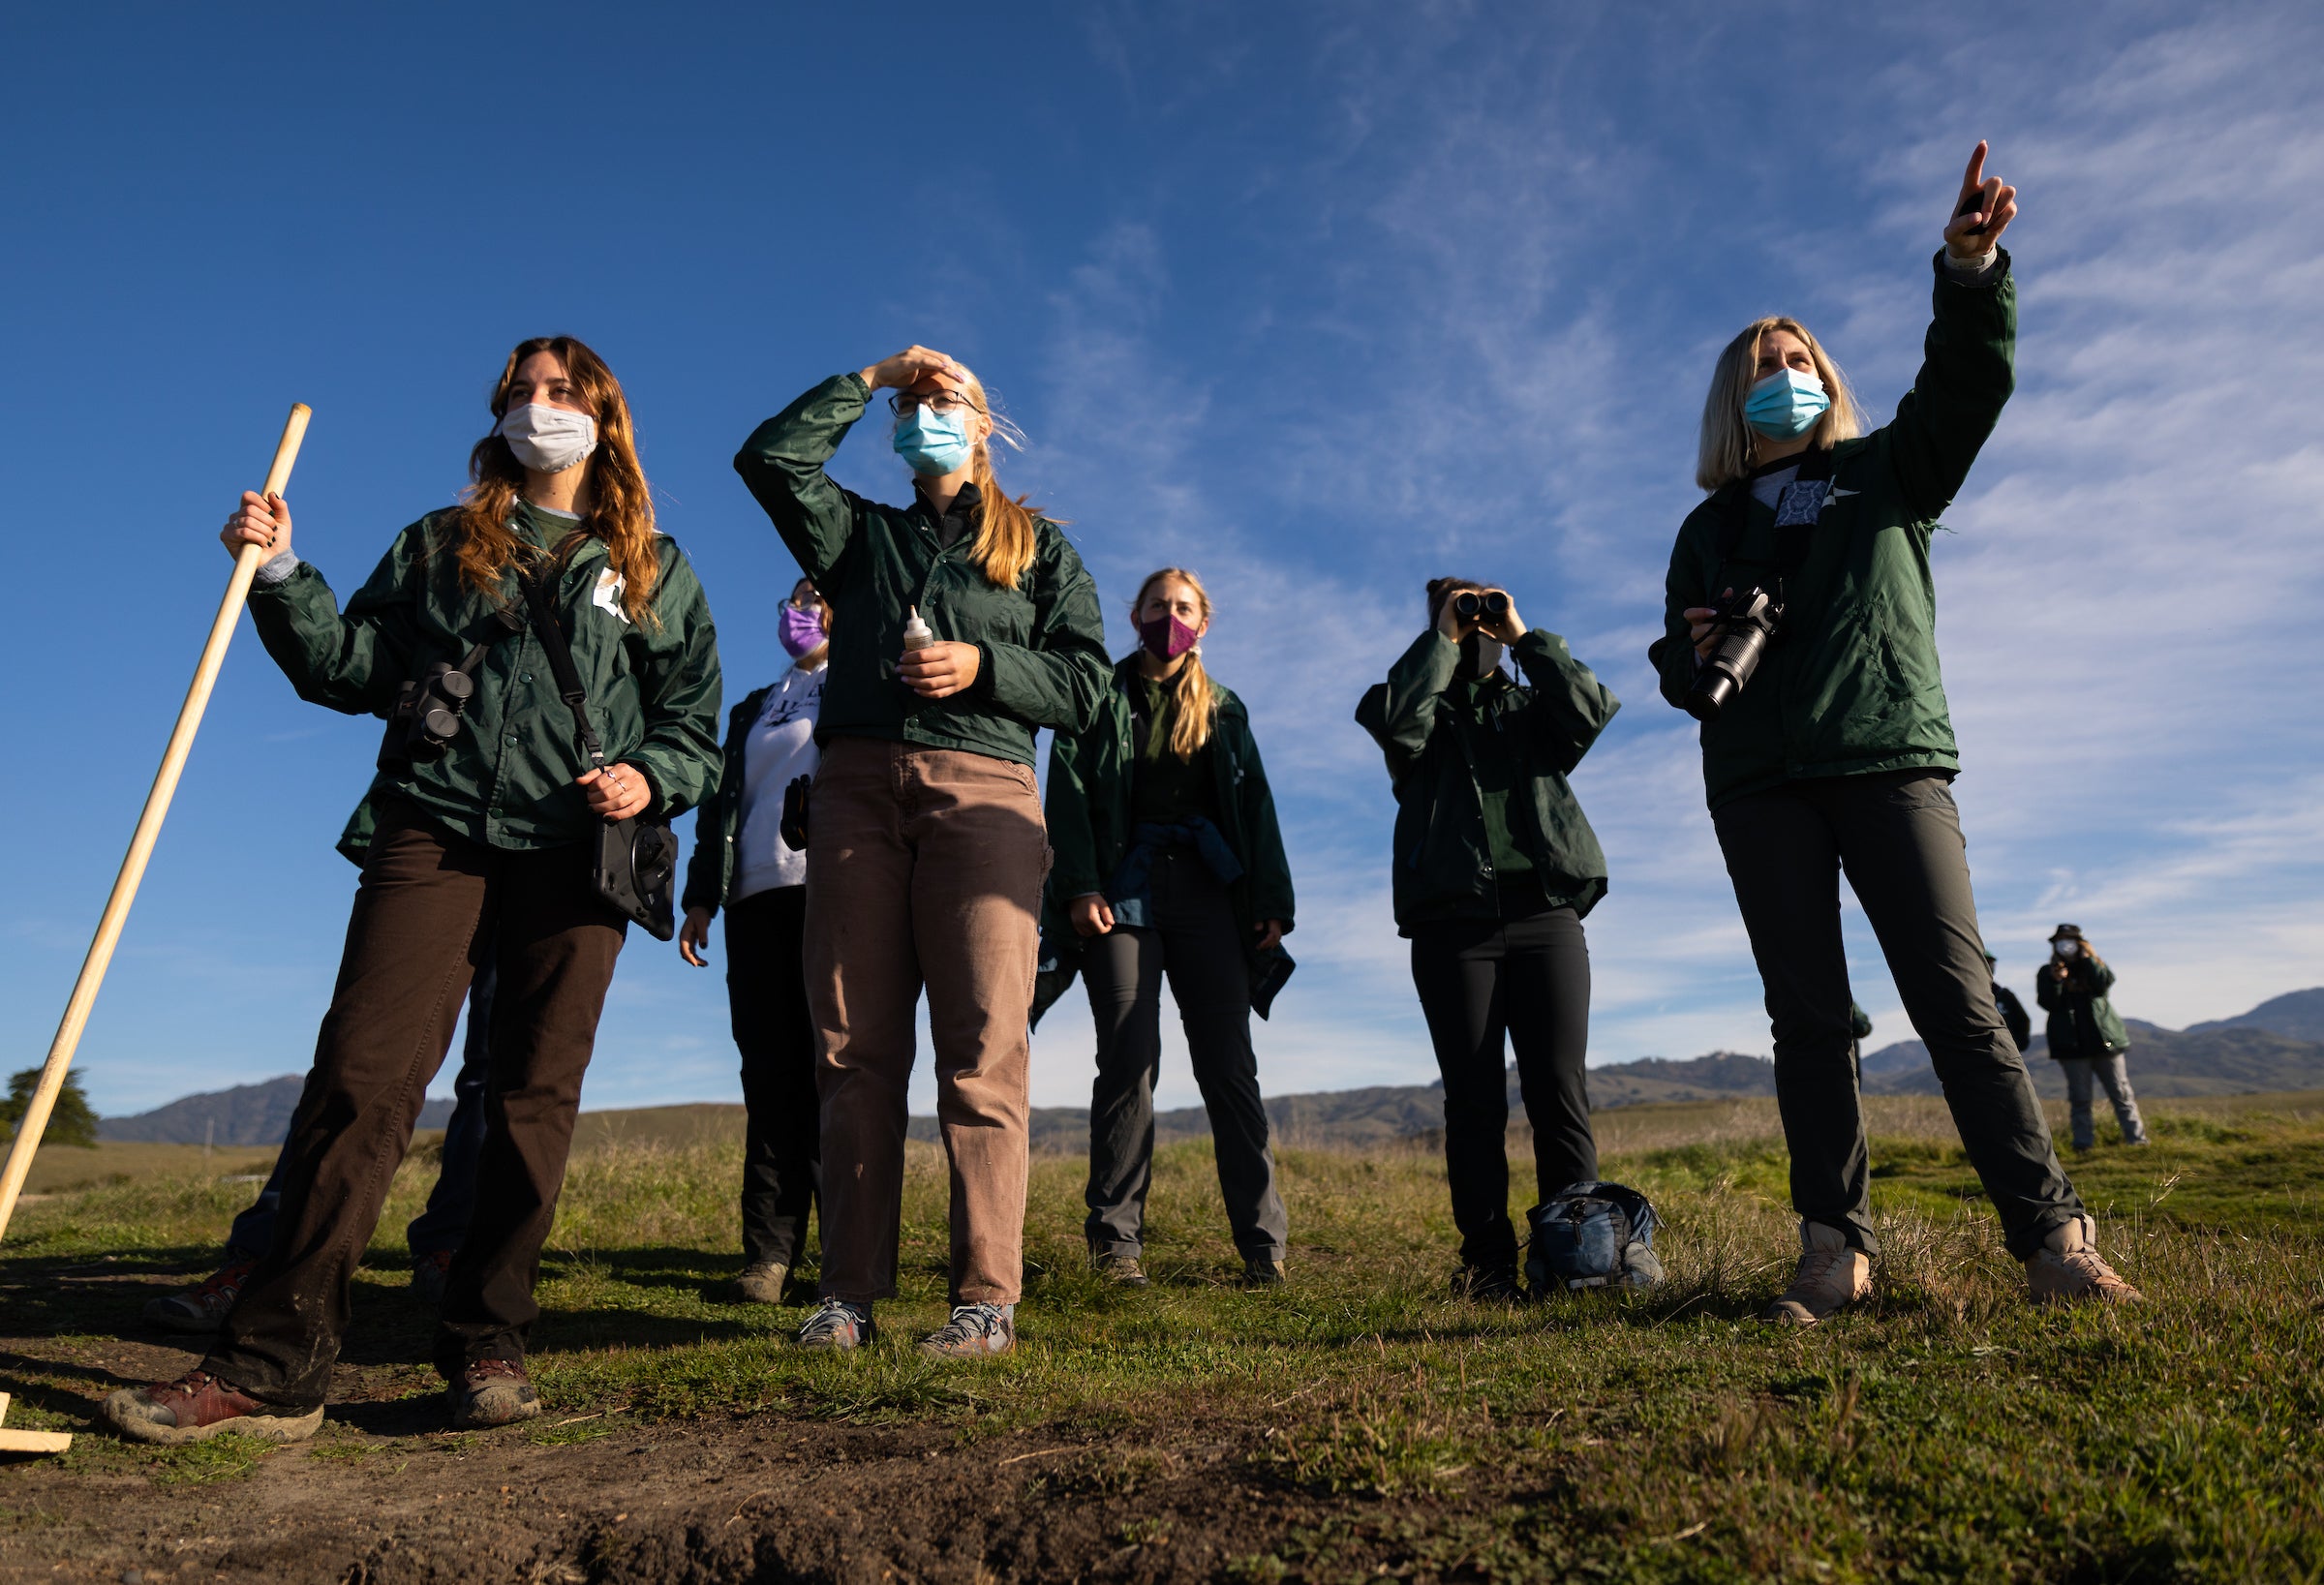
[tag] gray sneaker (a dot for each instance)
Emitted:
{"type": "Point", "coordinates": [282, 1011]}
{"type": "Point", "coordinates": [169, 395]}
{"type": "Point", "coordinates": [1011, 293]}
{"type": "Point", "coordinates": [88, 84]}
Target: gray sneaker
{"type": "Point", "coordinates": [975, 1331]}
{"type": "Point", "coordinates": [1122, 1270]}
{"type": "Point", "coordinates": [838, 1324]}
{"type": "Point", "coordinates": [762, 1283]}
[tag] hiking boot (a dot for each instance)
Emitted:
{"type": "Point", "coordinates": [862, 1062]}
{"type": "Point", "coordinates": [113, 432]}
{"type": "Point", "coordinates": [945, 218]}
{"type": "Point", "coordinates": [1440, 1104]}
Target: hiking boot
{"type": "Point", "coordinates": [838, 1324]}
{"type": "Point", "coordinates": [761, 1281]}
{"type": "Point", "coordinates": [2066, 1266]}
{"type": "Point", "coordinates": [429, 1275]}
{"type": "Point", "coordinates": [1260, 1272]}
{"type": "Point", "coordinates": [1830, 1274]}
{"type": "Point", "coordinates": [199, 1406]}
{"type": "Point", "coordinates": [1121, 1270]}
{"type": "Point", "coordinates": [202, 1309]}
{"type": "Point", "coordinates": [975, 1331]}
{"type": "Point", "coordinates": [490, 1392]}
{"type": "Point", "coordinates": [1489, 1284]}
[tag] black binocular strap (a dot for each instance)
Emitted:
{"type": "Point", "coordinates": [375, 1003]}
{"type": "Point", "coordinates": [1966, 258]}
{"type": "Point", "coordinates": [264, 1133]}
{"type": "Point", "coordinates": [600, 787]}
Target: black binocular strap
{"type": "Point", "coordinates": [561, 657]}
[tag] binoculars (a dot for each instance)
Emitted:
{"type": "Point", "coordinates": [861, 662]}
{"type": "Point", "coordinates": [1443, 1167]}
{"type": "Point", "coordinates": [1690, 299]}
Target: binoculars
{"type": "Point", "coordinates": [1473, 605]}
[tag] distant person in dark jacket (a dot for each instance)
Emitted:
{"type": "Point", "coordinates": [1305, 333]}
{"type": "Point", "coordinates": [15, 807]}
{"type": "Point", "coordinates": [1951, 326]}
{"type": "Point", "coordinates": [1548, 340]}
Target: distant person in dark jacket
{"type": "Point", "coordinates": [2013, 1011]}
{"type": "Point", "coordinates": [1494, 869]}
{"type": "Point", "coordinates": [1169, 860]}
{"type": "Point", "coordinates": [2086, 1037]}
{"type": "Point", "coordinates": [744, 862]}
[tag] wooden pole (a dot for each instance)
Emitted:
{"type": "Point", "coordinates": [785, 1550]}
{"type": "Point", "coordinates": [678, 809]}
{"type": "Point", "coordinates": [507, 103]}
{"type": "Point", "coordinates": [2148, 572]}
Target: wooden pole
{"type": "Point", "coordinates": [140, 845]}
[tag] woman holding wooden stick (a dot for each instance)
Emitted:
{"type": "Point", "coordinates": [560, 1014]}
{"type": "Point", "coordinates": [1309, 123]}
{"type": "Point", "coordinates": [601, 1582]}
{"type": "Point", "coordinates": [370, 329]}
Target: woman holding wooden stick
{"type": "Point", "coordinates": [487, 825]}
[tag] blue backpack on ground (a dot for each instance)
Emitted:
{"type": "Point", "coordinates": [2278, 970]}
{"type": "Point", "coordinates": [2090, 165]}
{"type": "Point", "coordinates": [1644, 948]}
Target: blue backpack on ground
{"type": "Point", "coordinates": [1592, 1236]}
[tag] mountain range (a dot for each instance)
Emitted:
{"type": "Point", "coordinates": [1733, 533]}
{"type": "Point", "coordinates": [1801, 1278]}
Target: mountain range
{"type": "Point", "coordinates": [2277, 1046]}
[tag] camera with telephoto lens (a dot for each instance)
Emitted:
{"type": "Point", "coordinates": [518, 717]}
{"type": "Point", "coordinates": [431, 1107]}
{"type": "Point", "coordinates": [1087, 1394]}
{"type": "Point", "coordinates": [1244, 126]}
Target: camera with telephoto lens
{"type": "Point", "coordinates": [1739, 636]}
{"type": "Point", "coordinates": [1474, 605]}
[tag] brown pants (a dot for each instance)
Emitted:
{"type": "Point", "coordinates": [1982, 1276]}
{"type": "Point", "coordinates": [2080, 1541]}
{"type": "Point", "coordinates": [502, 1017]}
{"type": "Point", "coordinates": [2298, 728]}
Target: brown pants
{"type": "Point", "coordinates": [430, 904]}
{"type": "Point", "coordinates": [924, 867]}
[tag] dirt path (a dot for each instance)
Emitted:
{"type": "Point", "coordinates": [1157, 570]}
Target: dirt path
{"type": "Point", "coordinates": [384, 1495]}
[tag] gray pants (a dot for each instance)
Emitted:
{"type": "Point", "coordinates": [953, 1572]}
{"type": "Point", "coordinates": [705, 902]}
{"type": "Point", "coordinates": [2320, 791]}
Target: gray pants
{"type": "Point", "coordinates": [1194, 940]}
{"type": "Point", "coordinates": [1898, 837]}
{"type": "Point", "coordinates": [2113, 1072]}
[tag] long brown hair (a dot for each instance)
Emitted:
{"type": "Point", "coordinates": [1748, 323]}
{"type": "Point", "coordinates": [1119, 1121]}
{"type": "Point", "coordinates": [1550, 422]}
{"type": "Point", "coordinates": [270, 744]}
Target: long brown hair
{"type": "Point", "coordinates": [1724, 452]}
{"type": "Point", "coordinates": [1006, 542]}
{"type": "Point", "coordinates": [621, 508]}
{"type": "Point", "coordinates": [1191, 692]}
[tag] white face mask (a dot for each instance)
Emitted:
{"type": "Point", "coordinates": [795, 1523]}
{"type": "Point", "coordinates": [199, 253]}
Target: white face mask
{"type": "Point", "coordinates": [548, 439]}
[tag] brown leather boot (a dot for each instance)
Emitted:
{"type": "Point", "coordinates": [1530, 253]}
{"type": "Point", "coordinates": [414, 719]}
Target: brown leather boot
{"type": "Point", "coordinates": [199, 1406]}
{"type": "Point", "coordinates": [1830, 1275]}
{"type": "Point", "coordinates": [2066, 1266]}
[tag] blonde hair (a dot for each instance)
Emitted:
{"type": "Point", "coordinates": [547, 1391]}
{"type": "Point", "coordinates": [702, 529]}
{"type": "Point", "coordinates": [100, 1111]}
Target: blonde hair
{"type": "Point", "coordinates": [1728, 442]}
{"type": "Point", "coordinates": [1006, 541]}
{"type": "Point", "coordinates": [621, 508]}
{"type": "Point", "coordinates": [1190, 687]}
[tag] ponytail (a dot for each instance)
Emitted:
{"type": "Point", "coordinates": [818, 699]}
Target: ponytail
{"type": "Point", "coordinates": [1006, 541]}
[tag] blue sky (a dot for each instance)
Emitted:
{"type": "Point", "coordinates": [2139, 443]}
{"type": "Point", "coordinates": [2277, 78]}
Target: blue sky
{"type": "Point", "coordinates": [1320, 300]}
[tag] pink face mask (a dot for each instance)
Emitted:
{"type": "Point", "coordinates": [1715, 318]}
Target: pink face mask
{"type": "Point", "coordinates": [1166, 637]}
{"type": "Point", "coordinates": [801, 631]}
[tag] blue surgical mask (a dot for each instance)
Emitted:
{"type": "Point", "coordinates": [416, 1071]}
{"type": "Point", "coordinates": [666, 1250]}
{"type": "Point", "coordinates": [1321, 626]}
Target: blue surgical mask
{"type": "Point", "coordinates": [1786, 405]}
{"type": "Point", "coordinates": [933, 442]}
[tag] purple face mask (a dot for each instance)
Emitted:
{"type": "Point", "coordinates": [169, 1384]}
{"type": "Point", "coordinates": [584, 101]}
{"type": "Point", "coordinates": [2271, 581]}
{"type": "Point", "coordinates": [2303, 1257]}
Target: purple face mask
{"type": "Point", "coordinates": [801, 630]}
{"type": "Point", "coordinates": [1166, 637]}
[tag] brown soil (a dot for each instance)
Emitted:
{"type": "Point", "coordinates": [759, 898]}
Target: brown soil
{"type": "Point", "coordinates": [385, 1494]}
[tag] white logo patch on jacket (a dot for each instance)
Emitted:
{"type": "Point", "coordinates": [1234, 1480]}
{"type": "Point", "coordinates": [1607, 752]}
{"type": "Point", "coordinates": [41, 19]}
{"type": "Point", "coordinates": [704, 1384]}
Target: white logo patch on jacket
{"type": "Point", "coordinates": [608, 596]}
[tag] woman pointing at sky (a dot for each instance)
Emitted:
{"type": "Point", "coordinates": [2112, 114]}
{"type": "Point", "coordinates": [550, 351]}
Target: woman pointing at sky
{"type": "Point", "coordinates": [1800, 629]}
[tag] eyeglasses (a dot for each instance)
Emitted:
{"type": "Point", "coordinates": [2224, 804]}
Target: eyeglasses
{"type": "Point", "coordinates": [907, 403]}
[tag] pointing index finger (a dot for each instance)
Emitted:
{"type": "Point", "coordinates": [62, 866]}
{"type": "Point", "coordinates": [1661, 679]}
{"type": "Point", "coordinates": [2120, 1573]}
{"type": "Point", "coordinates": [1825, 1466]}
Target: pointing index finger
{"type": "Point", "coordinates": [1974, 176]}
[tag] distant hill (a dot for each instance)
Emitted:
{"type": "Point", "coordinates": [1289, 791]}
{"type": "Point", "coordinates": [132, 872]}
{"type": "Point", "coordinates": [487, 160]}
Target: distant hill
{"type": "Point", "coordinates": [246, 1114]}
{"type": "Point", "coordinates": [2228, 1058]}
{"type": "Point", "coordinates": [2277, 1046]}
{"type": "Point", "coordinates": [2299, 1014]}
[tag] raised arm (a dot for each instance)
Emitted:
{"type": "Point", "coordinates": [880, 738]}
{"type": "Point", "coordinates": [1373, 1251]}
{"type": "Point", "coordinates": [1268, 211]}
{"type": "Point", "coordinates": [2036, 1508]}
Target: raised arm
{"type": "Point", "coordinates": [1570, 706]}
{"type": "Point", "coordinates": [783, 463]}
{"type": "Point", "coordinates": [1968, 364]}
{"type": "Point", "coordinates": [1401, 713]}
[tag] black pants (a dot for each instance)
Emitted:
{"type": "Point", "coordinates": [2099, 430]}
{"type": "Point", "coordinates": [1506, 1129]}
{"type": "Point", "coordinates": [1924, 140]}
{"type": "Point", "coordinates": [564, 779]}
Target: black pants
{"type": "Point", "coordinates": [1193, 939]}
{"type": "Point", "coordinates": [766, 994]}
{"type": "Point", "coordinates": [1530, 978]}
{"type": "Point", "coordinates": [430, 906]}
{"type": "Point", "coordinates": [1898, 837]}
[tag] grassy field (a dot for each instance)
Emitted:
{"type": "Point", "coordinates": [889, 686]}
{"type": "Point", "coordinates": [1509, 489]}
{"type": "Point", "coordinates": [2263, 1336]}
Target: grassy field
{"type": "Point", "coordinates": [1360, 1421]}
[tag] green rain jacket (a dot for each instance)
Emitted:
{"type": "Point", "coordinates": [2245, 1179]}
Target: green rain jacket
{"type": "Point", "coordinates": [1850, 686]}
{"type": "Point", "coordinates": [709, 872]}
{"type": "Point", "coordinates": [2083, 1021]}
{"type": "Point", "coordinates": [507, 781]}
{"type": "Point", "coordinates": [1092, 779]}
{"type": "Point", "coordinates": [1539, 730]}
{"type": "Point", "coordinates": [1041, 645]}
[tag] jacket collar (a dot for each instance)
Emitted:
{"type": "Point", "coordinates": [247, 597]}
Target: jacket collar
{"type": "Point", "coordinates": [963, 507]}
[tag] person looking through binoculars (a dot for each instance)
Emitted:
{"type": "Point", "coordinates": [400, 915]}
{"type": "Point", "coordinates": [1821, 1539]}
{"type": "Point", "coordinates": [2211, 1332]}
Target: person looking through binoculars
{"type": "Point", "coordinates": [962, 624]}
{"type": "Point", "coordinates": [1495, 868]}
{"type": "Point", "coordinates": [1800, 629]}
{"type": "Point", "coordinates": [489, 816]}
{"type": "Point", "coordinates": [1169, 860]}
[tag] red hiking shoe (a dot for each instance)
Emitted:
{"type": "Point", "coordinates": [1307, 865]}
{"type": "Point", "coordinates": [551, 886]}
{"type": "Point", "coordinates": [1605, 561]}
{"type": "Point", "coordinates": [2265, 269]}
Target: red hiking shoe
{"type": "Point", "coordinates": [198, 1406]}
{"type": "Point", "coordinates": [204, 1309]}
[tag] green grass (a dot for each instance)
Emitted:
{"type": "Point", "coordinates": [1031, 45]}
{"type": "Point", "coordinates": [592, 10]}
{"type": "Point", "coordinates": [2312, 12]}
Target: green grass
{"type": "Point", "coordinates": [1946, 1430]}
